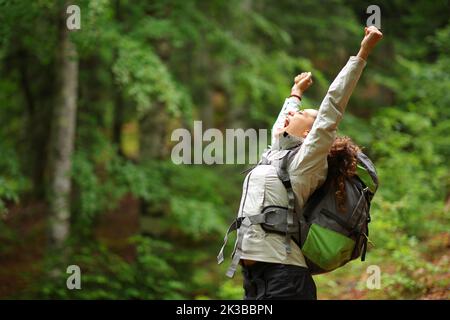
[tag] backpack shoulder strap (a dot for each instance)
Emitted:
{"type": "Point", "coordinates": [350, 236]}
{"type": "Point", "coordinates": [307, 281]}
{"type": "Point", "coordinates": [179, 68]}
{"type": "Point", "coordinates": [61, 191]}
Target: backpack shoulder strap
{"type": "Point", "coordinates": [369, 167]}
{"type": "Point", "coordinates": [283, 175]}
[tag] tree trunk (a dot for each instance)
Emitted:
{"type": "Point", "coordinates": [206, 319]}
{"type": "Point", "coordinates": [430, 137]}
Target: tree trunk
{"type": "Point", "coordinates": [63, 136]}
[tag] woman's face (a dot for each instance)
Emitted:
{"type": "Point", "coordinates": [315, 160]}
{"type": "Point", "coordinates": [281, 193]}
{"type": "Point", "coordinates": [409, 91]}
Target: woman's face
{"type": "Point", "coordinates": [300, 123]}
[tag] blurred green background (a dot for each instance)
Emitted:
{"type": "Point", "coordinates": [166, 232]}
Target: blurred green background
{"type": "Point", "coordinates": [144, 228]}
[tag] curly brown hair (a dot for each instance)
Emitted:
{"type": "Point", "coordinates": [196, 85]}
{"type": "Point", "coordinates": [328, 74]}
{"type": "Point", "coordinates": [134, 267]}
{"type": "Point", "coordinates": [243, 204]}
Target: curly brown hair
{"type": "Point", "coordinates": [342, 161]}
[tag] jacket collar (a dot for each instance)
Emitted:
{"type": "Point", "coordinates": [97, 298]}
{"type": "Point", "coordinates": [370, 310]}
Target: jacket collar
{"type": "Point", "coordinates": [286, 141]}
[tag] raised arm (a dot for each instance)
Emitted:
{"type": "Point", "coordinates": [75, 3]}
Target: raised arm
{"type": "Point", "coordinates": [312, 156]}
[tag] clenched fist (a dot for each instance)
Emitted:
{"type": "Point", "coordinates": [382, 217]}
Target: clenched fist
{"type": "Point", "coordinates": [301, 83]}
{"type": "Point", "coordinates": [371, 36]}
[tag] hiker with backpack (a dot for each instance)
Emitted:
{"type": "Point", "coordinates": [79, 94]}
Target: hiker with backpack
{"type": "Point", "coordinates": [297, 217]}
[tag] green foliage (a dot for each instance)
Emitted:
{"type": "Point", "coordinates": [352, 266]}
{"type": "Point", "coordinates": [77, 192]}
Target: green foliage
{"type": "Point", "coordinates": [231, 62]}
{"type": "Point", "coordinates": [104, 275]}
{"type": "Point", "coordinates": [145, 77]}
{"type": "Point", "coordinates": [12, 181]}
{"type": "Point", "coordinates": [409, 142]}
{"type": "Point", "coordinates": [194, 200]}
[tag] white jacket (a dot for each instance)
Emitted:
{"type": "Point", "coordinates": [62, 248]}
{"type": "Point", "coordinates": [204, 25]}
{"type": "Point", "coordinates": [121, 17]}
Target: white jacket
{"type": "Point", "coordinates": [307, 169]}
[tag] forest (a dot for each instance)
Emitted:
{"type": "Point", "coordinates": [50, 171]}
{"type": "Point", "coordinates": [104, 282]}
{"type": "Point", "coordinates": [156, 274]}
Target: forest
{"type": "Point", "coordinates": [87, 114]}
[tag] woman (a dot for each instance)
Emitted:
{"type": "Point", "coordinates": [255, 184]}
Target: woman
{"type": "Point", "coordinates": [270, 270]}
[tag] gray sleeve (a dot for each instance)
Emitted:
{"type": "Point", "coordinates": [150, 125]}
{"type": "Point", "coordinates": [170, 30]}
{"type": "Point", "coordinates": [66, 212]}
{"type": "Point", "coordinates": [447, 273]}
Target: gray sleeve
{"type": "Point", "coordinates": [311, 159]}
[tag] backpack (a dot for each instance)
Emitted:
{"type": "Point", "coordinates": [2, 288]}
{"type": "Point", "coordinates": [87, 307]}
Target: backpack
{"type": "Point", "coordinates": [328, 239]}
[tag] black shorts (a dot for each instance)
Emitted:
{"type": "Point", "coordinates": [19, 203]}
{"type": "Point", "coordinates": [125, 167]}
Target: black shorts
{"type": "Point", "coordinates": [273, 281]}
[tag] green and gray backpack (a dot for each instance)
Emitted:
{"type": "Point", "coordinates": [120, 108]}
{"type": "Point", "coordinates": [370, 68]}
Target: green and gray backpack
{"type": "Point", "coordinates": [328, 237]}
